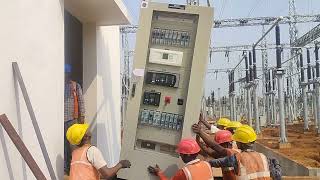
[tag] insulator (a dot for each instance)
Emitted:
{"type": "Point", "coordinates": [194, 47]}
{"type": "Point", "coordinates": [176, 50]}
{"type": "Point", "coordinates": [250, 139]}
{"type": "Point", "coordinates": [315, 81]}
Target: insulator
{"type": "Point", "coordinates": [250, 67]}
{"type": "Point", "coordinates": [254, 63]}
{"type": "Point", "coordinates": [316, 53]}
{"type": "Point", "coordinates": [301, 68]}
{"type": "Point", "coordinates": [309, 65]}
{"type": "Point", "coordinates": [247, 68]}
{"type": "Point", "coordinates": [278, 50]}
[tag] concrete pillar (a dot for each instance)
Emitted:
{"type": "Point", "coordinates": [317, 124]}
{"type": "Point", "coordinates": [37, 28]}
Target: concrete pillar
{"type": "Point", "coordinates": [273, 109]}
{"type": "Point", "coordinates": [249, 119]}
{"type": "Point", "coordinates": [314, 103]}
{"type": "Point", "coordinates": [317, 92]}
{"type": "Point", "coordinates": [267, 110]}
{"type": "Point", "coordinates": [318, 106]}
{"type": "Point", "coordinates": [305, 107]}
{"type": "Point", "coordinates": [283, 138]}
{"type": "Point", "coordinates": [256, 108]}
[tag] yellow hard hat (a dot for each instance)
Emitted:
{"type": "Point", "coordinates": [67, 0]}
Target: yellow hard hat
{"type": "Point", "coordinates": [223, 122]}
{"type": "Point", "coordinates": [76, 132]}
{"type": "Point", "coordinates": [244, 134]}
{"type": "Point", "coordinates": [234, 124]}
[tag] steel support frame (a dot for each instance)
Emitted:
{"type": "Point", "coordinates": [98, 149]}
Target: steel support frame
{"type": "Point", "coordinates": [305, 107]}
{"type": "Point", "coordinates": [249, 104]}
{"type": "Point", "coordinates": [256, 107]}
{"type": "Point", "coordinates": [283, 137]}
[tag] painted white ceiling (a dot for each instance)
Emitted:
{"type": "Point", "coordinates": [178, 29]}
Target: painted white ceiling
{"type": "Point", "coordinates": [101, 12]}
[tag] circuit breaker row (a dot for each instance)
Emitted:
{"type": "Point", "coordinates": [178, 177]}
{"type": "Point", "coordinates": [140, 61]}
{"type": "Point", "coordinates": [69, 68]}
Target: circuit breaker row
{"type": "Point", "coordinates": [161, 120]}
{"type": "Point", "coordinates": [170, 37]}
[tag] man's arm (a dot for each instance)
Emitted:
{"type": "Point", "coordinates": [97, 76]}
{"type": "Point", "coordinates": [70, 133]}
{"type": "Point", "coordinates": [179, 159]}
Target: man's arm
{"type": "Point", "coordinates": [158, 172]}
{"type": "Point", "coordinates": [205, 151]}
{"type": "Point", "coordinates": [95, 157]}
{"type": "Point", "coordinates": [209, 141]}
{"type": "Point", "coordinates": [178, 176]}
{"type": "Point", "coordinates": [204, 122]}
{"type": "Point", "coordinates": [229, 161]}
{"type": "Point", "coordinates": [111, 172]}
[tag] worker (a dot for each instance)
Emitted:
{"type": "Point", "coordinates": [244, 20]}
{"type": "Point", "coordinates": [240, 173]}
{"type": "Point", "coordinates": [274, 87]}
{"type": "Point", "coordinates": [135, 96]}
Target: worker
{"type": "Point", "coordinates": [220, 147]}
{"type": "Point", "coordinates": [221, 124]}
{"type": "Point", "coordinates": [74, 111]}
{"type": "Point", "coordinates": [233, 125]}
{"type": "Point", "coordinates": [195, 169]}
{"type": "Point", "coordinates": [247, 164]}
{"type": "Point", "coordinates": [87, 161]}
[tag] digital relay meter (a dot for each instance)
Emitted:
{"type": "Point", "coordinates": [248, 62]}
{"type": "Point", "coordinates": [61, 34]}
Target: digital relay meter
{"type": "Point", "coordinates": [172, 47]}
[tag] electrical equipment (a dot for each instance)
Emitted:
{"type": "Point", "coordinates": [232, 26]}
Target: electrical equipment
{"type": "Point", "coordinates": [172, 47]}
{"type": "Point", "coordinates": [170, 37]}
{"type": "Point", "coordinates": [162, 120]}
{"type": "Point", "coordinates": [162, 79]}
{"type": "Point", "coordinates": [166, 57]}
{"type": "Point", "coordinates": [151, 98]}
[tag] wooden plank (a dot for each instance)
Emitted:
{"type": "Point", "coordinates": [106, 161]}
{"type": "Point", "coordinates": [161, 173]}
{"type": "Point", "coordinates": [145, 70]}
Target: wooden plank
{"type": "Point", "coordinates": [34, 120]}
{"type": "Point", "coordinates": [15, 138]}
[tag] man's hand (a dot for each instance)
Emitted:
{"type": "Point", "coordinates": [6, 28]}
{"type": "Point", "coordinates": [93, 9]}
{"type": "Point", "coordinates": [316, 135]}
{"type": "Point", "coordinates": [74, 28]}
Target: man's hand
{"type": "Point", "coordinates": [154, 170]}
{"type": "Point", "coordinates": [125, 163]}
{"type": "Point", "coordinates": [81, 120]}
{"type": "Point", "coordinates": [196, 128]}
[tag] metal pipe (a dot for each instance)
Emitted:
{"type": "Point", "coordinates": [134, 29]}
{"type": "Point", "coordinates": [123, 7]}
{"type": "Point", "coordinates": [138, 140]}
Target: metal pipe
{"type": "Point", "coordinates": [220, 104]}
{"type": "Point", "coordinates": [273, 109]}
{"type": "Point", "coordinates": [317, 94]}
{"type": "Point", "coordinates": [255, 106]}
{"type": "Point", "coordinates": [314, 103]}
{"type": "Point", "coordinates": [268, 109]}
{"type": "Point", "coordinates": [316, 53]}
{"type": "Point", "coordinates": [318, 106]}
{"type": "Point", "coordinates": [249, 107]}
{"type": "Point", "coordinates": [283, 138]}
{"type": "Point", "coordinates": [305, 107]}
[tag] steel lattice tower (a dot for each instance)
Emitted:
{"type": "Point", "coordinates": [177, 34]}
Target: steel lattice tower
{"type": "Point", "coordinates": [293, 32]}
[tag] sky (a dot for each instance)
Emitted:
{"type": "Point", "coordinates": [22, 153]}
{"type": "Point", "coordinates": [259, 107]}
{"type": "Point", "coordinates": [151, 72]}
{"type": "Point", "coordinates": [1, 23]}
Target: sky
{"type": "Point", "coordinates": [226, 9]}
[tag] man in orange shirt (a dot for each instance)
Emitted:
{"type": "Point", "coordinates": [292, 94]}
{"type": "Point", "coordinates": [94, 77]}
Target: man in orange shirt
{"type": "Point", "coordinates": [194, 169]}
{"type": "Point", "coordinates": [87, 161]}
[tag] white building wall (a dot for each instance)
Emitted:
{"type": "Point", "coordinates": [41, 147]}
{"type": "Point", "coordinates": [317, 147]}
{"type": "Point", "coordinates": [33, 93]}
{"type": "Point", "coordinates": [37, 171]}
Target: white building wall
{"type": "Point", "coordinates": [32, 34]}
{"type": "Point", "coordinates": [109, 93]}
{"type": "Point", "coordinates": [101, 85]}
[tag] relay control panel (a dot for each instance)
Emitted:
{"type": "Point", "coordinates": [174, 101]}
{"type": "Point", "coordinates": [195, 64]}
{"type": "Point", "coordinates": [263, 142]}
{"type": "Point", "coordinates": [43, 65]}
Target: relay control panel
{"type": "Point", "coordinates": [162, 79]}
{"type": "Point", "coordinates": [172, 49]}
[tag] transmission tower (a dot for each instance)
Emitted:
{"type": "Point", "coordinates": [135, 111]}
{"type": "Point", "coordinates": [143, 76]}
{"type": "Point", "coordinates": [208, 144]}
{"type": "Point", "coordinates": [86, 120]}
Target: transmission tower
{"type": "Point", "coordinates": [293, 32]}
{"type": "Point", "coordinates": [264, 54]}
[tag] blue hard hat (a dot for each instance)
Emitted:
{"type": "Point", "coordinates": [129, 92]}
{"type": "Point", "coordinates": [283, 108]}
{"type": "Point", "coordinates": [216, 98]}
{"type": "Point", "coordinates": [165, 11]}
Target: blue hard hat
{"type": "Point", "coordinates": [67, 68]}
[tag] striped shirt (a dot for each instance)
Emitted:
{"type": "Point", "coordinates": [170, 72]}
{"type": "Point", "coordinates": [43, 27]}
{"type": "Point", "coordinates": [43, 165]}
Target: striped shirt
{"type": "Point", "coordinates": [69, 102]}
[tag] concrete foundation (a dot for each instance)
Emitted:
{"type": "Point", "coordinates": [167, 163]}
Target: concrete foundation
{"type": "Point", "coordinates": [289, 167]}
